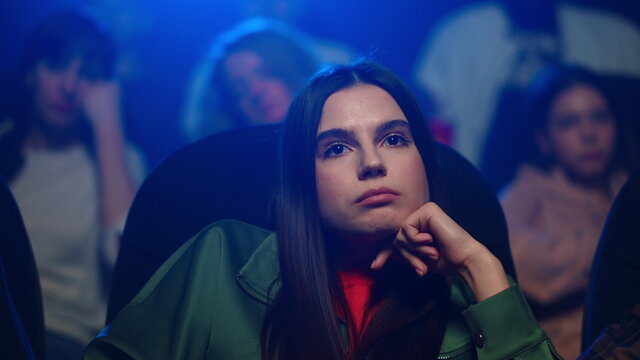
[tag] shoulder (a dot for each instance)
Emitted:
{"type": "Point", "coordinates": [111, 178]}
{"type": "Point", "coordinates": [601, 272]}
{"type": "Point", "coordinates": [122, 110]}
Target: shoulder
{"type": "Point", "coordinates": [226, 238]}
{"type": "Point", "coordinates": [233, 231]}
{"type": "Point", "coordinates": [529, 179]}
{"type": "Point", "coordinates": [227, 230]}
{"type": "Point", "coordinates": [221, 248]}
{"type": "Point", "coordinates": [190, 308]}
{"type": "Point", "coordinates": [530, 174]}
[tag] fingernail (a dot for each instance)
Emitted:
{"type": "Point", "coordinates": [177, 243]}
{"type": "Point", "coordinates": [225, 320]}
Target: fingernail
{"type": "Point", "coordinates": [374, 263]}
{"type": "Point", "coordinates": [419, 272]}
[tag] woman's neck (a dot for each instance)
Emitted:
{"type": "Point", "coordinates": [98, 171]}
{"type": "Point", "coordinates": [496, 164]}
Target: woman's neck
{"type": "Point", "coordinates": [355, 255]}
{"type": "Point", "coordinates": [595, 184]}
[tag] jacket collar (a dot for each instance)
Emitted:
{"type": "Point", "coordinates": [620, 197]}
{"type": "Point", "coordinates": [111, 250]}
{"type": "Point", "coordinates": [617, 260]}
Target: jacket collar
{"type": "Point", "coordinates": [259, 279]}
{"type": "Point", "coordinates": [259, 275]}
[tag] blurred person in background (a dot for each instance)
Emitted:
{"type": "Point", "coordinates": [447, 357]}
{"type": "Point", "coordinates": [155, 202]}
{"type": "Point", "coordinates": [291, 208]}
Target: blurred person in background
{"type": "Point", "coordinates": [248, 78]}
{"type": "Point", "coordinates": [73, 175]}
{"type": "Point", "coordinates": [575, 162]}
{"type": "Point", "coordinates": [478, 61]}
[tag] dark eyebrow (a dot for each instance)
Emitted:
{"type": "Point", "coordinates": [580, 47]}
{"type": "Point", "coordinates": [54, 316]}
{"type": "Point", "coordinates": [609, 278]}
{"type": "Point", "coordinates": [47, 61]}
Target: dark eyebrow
{"type": "Point", "coordinates": [392, 124]}
{"type": "Point", "coordinates": [334, 133]}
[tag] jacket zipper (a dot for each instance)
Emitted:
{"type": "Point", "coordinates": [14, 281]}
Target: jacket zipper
{"type": "Point", "coordinates": [454, 355]}
{"type": "Point", "coordinates": [252, 294]}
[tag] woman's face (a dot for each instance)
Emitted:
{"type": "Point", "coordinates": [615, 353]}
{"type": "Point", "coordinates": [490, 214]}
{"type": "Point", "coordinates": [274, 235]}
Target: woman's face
{"type": "Point", "coordinates": [261, 98]}
{"type": "Point", "coordinates": [369, 174]}
{"type": "Point", "coordinates": [581, 132]}
{"type": "Point", "coordinates": [58, 91]}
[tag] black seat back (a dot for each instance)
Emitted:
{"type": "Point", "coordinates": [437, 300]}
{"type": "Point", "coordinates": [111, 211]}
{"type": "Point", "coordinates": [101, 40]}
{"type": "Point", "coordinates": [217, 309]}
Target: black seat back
{"type": "Point", "coordinates": [21, 316]}
{"type": "Point", "coordinates": [614, 286]}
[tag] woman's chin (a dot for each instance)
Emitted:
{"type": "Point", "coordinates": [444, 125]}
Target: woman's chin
{"type": "Point", "coordinates": [373, 234]}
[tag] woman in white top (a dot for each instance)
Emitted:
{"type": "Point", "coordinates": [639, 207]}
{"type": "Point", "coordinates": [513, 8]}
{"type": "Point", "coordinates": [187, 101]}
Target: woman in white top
{"type": "Point", "coordinates": [66, 159]}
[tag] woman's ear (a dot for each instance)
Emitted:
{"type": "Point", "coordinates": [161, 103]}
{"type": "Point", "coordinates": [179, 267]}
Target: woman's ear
{"type": "Point", "coordinates": [544, 145]}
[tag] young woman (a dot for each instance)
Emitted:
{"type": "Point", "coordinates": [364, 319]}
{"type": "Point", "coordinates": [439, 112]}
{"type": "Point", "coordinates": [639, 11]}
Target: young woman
{"type": "Point", "coordinates": [557, 205]}
{"type": "Point", "coordinates": [64, 154]}
{"type": "Point", "coordinates": [364, 264]}
{"type": "Point", "coordinates": [248, 78]}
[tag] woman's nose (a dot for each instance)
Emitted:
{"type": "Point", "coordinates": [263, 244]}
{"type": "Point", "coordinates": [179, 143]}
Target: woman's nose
{"type": "Point", "coordinates": [70, 81]}
{"type": "Point", "coordinates": [256, 87]}
{"type": "Point", "coordinates": [71, 77]}
{"type": "Point", "coordinates": [588, 131]}
{"type": "Point", "coordinates": [372, 165]}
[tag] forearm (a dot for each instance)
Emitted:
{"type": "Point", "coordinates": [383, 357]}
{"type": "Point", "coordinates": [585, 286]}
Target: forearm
{"type": "Point", "coordinates": [116, 184]}
{"type": "Point", "coordinates": [484, 275]}
{"type": "Point", "coordinates": [508, 328]}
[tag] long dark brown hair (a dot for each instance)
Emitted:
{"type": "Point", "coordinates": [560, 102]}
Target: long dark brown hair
{"type": "Point", "coordinates": [303, 322]}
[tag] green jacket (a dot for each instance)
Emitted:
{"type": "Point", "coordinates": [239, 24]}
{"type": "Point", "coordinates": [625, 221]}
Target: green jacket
{"type": "Point", "coordinates": [207, 301]}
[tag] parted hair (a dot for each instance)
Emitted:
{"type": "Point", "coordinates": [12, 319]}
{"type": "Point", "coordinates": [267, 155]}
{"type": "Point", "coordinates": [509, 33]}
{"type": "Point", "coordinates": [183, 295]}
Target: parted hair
{"type": "Point", "coordinates": [303, 321]}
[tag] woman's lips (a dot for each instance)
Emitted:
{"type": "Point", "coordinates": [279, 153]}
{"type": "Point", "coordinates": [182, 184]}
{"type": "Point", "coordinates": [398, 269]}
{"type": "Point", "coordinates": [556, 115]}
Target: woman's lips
{"type": "Point", "coordinates": [378, 196]}
{"type": "Point", "coordinates": [592, 156]}
{"type": "Point", "coordinates": [64, 108]}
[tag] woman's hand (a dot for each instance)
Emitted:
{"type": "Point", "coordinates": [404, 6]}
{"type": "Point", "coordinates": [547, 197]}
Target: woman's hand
{"type": "Point", "coordinates": [101, 105]}
{"type": "Point", "coordinates": [429, 240]}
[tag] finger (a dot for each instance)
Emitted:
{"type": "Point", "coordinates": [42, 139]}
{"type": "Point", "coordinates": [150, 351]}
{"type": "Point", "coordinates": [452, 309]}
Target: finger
{"type": "Point", "coordinates": [407, 234]}
{"type": "Point", "coordinates": [410, 230]}
{"type": "Point", "coordinates": [418, 221]}
{"type": "Point", "coordinates": [421, 238]}
{"type": "Point", "coordinates": [429, 252]}
{"type": "Point", "coordinates": [425, 251]}
{"type": "Point", "coordinates": [382, 258]}
{"type": "Point", "coordinates": [416, 263]}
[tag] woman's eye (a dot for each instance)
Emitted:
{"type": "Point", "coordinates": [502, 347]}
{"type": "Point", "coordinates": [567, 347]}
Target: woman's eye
{"type": "Point", "coordinates": [602, 117]}
{"type": "Point", "coordinates": [335, 150]}
{"type": "Point", "coordinates": [394, 140]}
{"type": "Point", "coordinates": [565, 123]}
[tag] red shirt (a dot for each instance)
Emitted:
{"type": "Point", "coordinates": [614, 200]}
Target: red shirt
{"type": "Point", "coordinates": [357, 292]}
